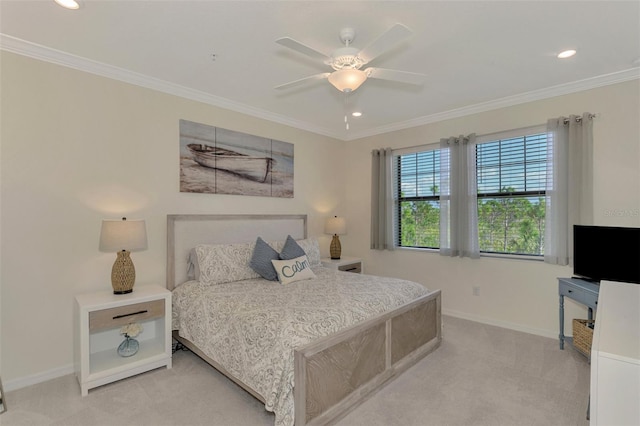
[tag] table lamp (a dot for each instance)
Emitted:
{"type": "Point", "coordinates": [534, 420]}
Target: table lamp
{"type": "Point", "coordinates": [336, 226]}
{"type": "Point", "coordinates": [123, 236]}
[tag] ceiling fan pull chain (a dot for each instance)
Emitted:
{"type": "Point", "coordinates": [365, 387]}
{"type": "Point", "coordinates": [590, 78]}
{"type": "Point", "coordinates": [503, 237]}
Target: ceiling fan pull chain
{"type": "Point", "coordinates": [346, 111]}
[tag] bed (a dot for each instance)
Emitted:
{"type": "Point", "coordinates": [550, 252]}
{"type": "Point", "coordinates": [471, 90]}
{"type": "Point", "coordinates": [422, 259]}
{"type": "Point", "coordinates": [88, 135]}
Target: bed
{"type": "Point", "coordinates": [337, 338]}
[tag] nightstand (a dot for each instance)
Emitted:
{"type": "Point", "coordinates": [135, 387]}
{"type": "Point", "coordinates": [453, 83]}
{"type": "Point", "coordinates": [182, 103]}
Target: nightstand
{"type": "Point", "coordinates": [348, 264]}
{"type": "Point", "coordinates": [98, 318]}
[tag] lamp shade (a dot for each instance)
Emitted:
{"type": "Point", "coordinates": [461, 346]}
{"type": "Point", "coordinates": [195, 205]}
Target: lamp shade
{"type": "Point", "coordinates": [347, 80]}
{"type": "Point", "coordinates": [117, 235]}
{"type": "Point", "coordinates": [335, 226]}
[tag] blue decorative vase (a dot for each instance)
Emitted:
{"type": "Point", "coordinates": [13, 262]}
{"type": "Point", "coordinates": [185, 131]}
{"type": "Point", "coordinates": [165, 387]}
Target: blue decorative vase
{"type": "Point", "coordinates": [128, 347]}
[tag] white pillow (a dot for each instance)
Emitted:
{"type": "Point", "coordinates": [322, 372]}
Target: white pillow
{"type": "Point", "coordinates": [193, 271]}
{"type": "Point", "coordinates": [224, 263]}
{"type": "Point", "coordinates": [293, 270]}
{"type": "Point", "coordinates": [311, 248]}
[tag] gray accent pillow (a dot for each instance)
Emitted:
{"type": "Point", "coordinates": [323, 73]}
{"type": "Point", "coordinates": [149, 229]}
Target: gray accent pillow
{"type": "Point", "coordinates": [291, 249]}
{"type": "Point", "coordinates": [261, 259]}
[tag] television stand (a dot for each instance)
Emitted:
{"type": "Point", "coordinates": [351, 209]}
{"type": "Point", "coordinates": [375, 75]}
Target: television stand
{"type": "Point", "coordinates": [589, 280]}
{"type": "Point", "coordinates": [582, 291]}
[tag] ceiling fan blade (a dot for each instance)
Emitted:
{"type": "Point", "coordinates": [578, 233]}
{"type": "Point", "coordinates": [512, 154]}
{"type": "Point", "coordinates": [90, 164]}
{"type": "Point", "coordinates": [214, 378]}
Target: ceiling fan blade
{"type": "Point", "coordinates": [395, 75]}
{"type": "Point", "coordinates": [301, 48]}
{"type": "Point", "coordinates": [386, 41]}
{"type": "Point", "coordinates": [303, 81]}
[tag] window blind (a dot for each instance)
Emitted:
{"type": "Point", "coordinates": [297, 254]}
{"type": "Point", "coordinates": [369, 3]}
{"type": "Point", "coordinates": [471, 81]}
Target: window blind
{"type": "Point", "coordinates": [418, 176]}
{"type": "Point", "coordinates": [511, 179]}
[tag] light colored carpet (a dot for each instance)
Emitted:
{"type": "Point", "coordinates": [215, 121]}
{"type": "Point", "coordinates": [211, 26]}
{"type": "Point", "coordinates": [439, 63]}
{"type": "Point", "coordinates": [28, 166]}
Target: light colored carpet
{"type": "Point", "coordinates": [481, 375]}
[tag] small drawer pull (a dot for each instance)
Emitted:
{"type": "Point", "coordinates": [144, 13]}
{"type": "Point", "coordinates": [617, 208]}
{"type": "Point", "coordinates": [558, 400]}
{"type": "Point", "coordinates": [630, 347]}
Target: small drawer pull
{"type": "Point", "coordinates": [570, 291]}
{"type": "Point", "coordinates": [351, 269]}
{"type": "Point", "coordinates": [132, 313]}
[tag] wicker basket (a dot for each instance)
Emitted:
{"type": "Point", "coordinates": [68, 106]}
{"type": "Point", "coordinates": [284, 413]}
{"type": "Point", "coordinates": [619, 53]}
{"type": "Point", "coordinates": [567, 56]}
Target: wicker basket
{"type": "Point", "coordinates": [582, 336]}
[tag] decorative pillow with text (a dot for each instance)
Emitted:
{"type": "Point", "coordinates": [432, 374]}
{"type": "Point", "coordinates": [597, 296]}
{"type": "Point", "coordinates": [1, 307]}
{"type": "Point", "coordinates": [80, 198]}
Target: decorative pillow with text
{"type": "Point", "coordinates": [293, 270]}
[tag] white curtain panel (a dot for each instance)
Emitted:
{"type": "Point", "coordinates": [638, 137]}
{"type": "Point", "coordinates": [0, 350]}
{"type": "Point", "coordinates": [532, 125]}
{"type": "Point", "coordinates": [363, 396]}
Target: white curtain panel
{"type": "Point", "coordinates": [383, 200]}
{"type": "Point", "coordinates": [458, 197]}
{"type": "Point", "coordinates": [569, 192]}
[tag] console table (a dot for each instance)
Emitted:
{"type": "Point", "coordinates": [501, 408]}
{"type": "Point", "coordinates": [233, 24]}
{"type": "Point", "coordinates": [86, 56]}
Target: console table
{"type": "Point", "coordinates": [581, 291]}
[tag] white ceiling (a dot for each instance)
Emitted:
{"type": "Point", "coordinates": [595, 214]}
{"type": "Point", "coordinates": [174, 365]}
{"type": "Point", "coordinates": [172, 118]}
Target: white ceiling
{"type": "Point", "coordinates": [477, 55]}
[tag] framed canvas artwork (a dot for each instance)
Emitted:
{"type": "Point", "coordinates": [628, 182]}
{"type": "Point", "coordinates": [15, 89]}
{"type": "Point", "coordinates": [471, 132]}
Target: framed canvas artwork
{"type": "Point", "coordinates": [221, 161]}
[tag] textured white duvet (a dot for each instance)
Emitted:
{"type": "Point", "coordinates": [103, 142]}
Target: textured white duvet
{"type": "Point", "coordinates": [251, 327]}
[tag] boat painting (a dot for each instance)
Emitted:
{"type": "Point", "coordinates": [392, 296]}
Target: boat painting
{"type": "Point", "coordinates": [256, 168]}
{"type": "Point", "coordinates": [214, 160]}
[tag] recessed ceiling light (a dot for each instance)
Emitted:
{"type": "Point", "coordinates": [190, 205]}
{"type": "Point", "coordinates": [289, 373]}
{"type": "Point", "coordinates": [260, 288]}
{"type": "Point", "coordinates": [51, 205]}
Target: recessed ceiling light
{"type": "Point", "coordinates": [356, 114]}
{"type": "Point", "coordinates": [566, 54]}
{"type": "Point", "coordinates": [68, 4]}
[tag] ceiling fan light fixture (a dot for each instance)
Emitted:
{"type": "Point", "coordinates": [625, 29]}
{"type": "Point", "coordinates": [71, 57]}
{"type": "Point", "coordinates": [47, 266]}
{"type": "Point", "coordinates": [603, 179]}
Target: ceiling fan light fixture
{"type": "Point", "coordinates": [347, 80]}
{"type": "Point", "coordinates": [345, 57]}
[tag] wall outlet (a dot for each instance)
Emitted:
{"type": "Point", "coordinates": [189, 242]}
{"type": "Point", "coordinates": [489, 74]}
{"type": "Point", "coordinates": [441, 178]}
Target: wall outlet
{"type": "Point", "coordinates": [476, 290]}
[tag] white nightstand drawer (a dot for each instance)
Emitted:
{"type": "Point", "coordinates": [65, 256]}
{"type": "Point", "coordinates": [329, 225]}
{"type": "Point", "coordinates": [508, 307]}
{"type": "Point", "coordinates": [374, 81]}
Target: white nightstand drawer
{"type": "Point", "coordinates": [351, 267]}
{"type": "Point", "coordinates": [347, 264]}
{"type": "Point", "coordinates": [123, 315]}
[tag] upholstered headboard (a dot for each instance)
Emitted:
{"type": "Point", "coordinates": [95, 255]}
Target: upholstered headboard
{"type": "Point", "coordinates": [184, 232]}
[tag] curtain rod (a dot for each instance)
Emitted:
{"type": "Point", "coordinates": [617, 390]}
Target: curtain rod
{"type": "Point", "coordinates": [579, 118]}
{"type": "Point", "coordinates": [566, 121]}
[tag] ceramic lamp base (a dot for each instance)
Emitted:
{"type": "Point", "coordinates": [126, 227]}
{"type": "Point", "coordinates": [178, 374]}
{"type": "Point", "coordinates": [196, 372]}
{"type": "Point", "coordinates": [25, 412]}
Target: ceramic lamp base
{"type": "Point", "coordinates": [123, 273]}
{"type": "Point", "coordinates": [335, 249]}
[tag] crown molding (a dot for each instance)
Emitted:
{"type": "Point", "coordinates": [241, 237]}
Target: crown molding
{"type": "Point", "coordinates": [47, 54]}
{"type": "Point", "coordinates": [43, 53]}
{"type": "Point", "coordinates": [535, 95]}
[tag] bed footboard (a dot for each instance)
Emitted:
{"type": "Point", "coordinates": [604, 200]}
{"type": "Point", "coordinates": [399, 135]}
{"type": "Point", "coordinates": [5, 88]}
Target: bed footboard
{"type": "Point", "coordinates": [335, 374]}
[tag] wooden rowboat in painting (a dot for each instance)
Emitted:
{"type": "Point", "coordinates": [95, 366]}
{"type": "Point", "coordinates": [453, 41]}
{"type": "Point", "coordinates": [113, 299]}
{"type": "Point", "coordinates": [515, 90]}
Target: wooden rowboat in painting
{"type": "Point", "coordinates": [255, 168]}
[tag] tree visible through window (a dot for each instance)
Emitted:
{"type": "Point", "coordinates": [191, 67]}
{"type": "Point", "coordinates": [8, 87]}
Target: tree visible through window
{"type": "Point", "coordinates": [511, 175]}
{"type": "Point", "coordinates": [511, 179]}
{"type": "Point", "coordinates": [419, 199]}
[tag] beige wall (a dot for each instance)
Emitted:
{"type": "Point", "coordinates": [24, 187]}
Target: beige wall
{"type": "Point", "coordinates": [77, 148]}
{"type": "Point", "coordinates": [514, 293]}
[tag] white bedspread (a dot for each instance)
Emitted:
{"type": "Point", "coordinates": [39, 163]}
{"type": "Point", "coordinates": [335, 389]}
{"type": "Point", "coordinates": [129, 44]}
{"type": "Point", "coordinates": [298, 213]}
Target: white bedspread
{"type": "Point", "coordinates": [251, 327]}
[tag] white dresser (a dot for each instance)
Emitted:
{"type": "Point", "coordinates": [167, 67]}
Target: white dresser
{"type": "Point", "coordinates": [615, 356]}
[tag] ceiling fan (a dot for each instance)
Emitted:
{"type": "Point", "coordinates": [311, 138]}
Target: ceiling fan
{"type": "Point", "coordinates": [347, 61]}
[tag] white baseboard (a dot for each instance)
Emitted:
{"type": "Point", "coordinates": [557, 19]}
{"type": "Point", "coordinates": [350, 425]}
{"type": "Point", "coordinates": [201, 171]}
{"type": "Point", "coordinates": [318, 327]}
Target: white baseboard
{"type": "Point", "coordinates": [23, 382]}
{"type": "Point", "coordinates": [63, 371]}
{"type": "Point", "coordinates": [503, 324]}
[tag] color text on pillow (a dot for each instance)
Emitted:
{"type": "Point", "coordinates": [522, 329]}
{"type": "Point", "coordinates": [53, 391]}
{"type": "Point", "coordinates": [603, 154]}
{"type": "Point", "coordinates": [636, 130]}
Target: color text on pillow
{"type": "Point", "coordinates": [290, 270]}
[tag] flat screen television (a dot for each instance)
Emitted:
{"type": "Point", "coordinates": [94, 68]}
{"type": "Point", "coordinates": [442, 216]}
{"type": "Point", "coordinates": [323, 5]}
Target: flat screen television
{"type": "Point", "coordinates": [606, 253]}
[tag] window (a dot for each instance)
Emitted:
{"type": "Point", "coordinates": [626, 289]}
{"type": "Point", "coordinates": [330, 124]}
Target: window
{"type": "Point", "coordinates": [511, 181]}
{"type": "Point", "coordinates": [511, 176]}
{"type": "Point", "coordinates": [419, 199]}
